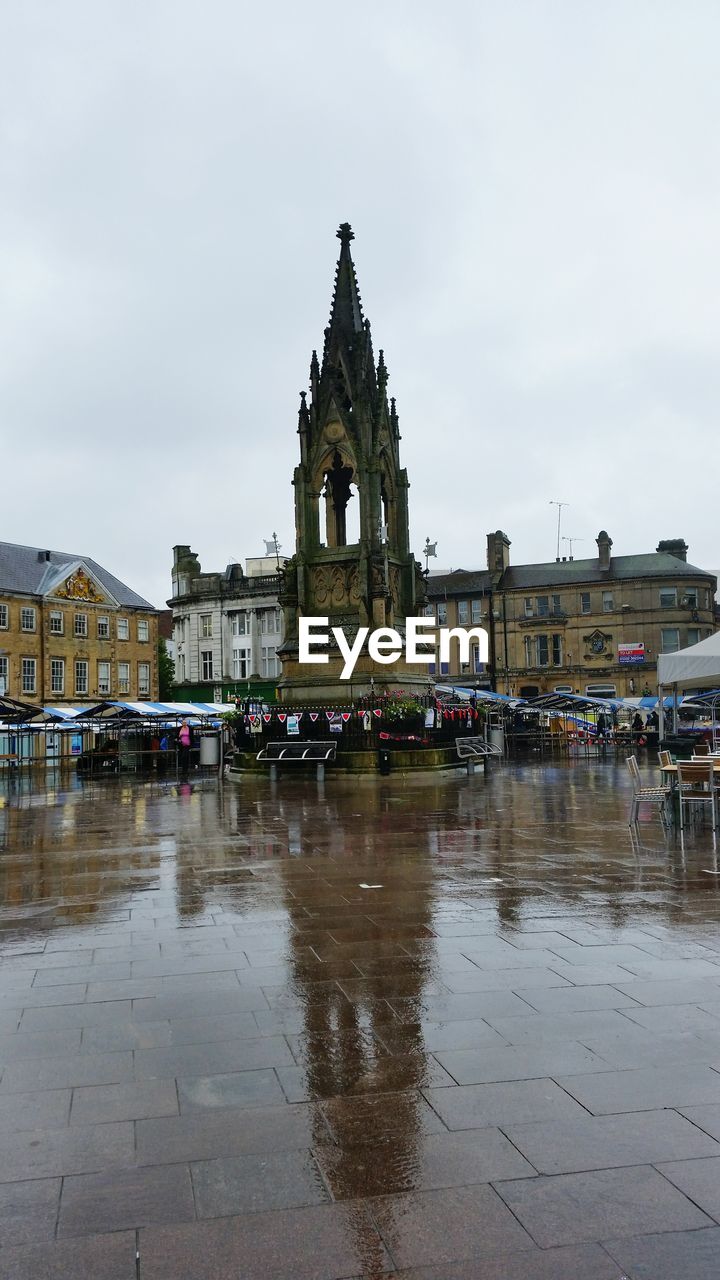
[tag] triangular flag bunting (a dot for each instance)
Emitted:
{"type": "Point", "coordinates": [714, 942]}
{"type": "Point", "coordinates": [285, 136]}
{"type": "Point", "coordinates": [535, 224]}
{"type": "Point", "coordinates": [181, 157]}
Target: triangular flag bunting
{"type": "Point", "coordinates": [346, 716]}
{"type": "Point", "coordinates": [329, 714]}
{"type": "Point", "coordinates": [267, 716]}
{"type": "Point", "coordinates": [313, 715]}
{"type": "Point", "coordinates": [282, 716]}
{"type": "Point", "coordinates": [377, 712]}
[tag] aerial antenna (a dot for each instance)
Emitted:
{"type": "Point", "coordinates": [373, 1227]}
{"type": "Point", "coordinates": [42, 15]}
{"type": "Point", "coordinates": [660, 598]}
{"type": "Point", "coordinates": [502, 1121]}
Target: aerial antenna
{"type": "Point", "coordinates": [571, 541]}
{"type": "Point", "coordinates": [559, 506]}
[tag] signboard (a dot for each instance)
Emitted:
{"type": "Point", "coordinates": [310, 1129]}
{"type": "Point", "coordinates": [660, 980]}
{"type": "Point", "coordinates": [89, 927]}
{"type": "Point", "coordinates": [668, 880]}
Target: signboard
{"type": "Point", "coordinates": [293, 726]}
{"type": "Point", "coordinates": [631, 653]}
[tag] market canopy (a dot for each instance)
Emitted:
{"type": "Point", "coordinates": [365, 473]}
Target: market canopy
{"type": "Point", "coordinates": [697, 667]}
{"type": "Point", "coordinates": [572, 702]}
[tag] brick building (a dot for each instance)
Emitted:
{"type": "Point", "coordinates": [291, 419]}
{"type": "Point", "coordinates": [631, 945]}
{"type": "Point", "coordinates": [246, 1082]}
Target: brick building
{"type": "Point", "coordinates": [593, 626]}
{"type": "Point", "coordinates": [72, 632]}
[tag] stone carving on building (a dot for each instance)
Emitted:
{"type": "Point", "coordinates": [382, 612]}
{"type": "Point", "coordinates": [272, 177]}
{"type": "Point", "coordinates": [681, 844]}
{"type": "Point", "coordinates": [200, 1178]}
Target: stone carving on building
{"type": "Point", "coordinates": [79, 586]}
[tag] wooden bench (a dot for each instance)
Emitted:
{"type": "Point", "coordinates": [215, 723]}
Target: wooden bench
{"type": "Point", "coordinates": [473, 749]}
{"type": "Point", "coordinates": [318, 753]}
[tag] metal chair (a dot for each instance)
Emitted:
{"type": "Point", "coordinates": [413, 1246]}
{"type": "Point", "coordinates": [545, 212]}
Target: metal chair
{"type": "Point", "coordinates": [701, 749]}
{"type": "Point", "coordinates": [645, 795]}
{"type": "Point", "coordinates": [664, 758]}
{"type": "Point", "coordinates": [696, 786]}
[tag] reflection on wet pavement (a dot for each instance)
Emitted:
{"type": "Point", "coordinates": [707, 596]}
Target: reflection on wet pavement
{"type": "Point", "coordinates": [440, 1027]}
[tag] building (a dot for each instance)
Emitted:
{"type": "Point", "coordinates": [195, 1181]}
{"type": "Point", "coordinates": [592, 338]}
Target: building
{"type": "Point", "coordinates": [592, 626]}
{"type": "Point", "coordinates": [227, 627]}
{"type": "Point", "coordinates": [352, 563]}
{"type": "Point", "coordinates": [71, 632]}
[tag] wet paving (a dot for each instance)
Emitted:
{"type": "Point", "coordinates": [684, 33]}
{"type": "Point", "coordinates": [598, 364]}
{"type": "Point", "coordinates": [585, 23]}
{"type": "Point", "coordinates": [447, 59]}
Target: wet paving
{"type": "Point", "coordinates": [436, 1027]}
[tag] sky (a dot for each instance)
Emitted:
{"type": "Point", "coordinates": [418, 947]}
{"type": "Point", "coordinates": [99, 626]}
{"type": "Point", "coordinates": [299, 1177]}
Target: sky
{"type": "Point", "coordinates": [535, 193]}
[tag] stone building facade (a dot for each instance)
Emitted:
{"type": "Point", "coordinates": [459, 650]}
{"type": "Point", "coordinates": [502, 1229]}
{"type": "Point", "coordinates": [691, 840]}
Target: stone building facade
{"type": "Point", "coordinates": [592, 626]}
{"type": "Point", "coordinates": [70, 632]}
{"type": "Point", "coordinates": [227, 626]}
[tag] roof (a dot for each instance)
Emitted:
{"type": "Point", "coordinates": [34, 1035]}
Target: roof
{"type": "Point", "coordinates": [461, 582]}
{"type": "Point", "coordinates": [653, 564]}
{"type": "Point", "coordinates": [24, 570]}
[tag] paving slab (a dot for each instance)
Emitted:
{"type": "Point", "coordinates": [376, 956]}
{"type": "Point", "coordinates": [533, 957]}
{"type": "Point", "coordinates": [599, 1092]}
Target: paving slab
{"type": "Point", "coordinates": [575, 1207]}
{"type": "Point", "coordinates": [609, 1141]}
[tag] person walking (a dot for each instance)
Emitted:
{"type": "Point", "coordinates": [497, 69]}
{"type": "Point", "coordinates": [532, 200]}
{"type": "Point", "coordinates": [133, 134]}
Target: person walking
{"type": "Point", "coordinates": [185, 740]}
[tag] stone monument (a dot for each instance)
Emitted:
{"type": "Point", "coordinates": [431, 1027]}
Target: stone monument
{"type": "Point", "coordinates": [352, 562]}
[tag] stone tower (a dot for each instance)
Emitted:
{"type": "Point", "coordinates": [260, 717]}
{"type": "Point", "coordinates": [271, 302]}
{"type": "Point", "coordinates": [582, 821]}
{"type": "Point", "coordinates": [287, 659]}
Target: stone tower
{"type": "Point", "coordinates": [352, 562]}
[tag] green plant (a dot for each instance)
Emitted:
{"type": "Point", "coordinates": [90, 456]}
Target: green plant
{"type": "Point", "coordinates": [166, 670]}
{"type": "Point", "coordinates": [402, 707]}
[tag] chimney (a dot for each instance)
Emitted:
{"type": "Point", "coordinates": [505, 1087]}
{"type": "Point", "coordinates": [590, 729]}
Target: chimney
{"type": "Point", "coordinates": [604, 543]}
{"type": "Point", "coordinates": [498, 555]}
{"type": "Point", "coordinates": [677, 547]}
{"type": "Point", "coordinates": [44, 557]}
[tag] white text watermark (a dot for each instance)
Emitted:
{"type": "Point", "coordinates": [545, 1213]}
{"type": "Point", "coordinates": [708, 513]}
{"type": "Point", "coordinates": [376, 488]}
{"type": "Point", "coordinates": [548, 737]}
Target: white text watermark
{"type": "Point", "coordinates": [386, 645]}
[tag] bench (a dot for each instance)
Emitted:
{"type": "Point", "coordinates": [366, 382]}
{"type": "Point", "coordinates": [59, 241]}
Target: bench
{"type": "Point", "coordinates": [317, 753]}
{"type": "Point", "coordinates": [473, 749]}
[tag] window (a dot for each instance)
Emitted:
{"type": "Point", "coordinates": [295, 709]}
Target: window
{"type": "Point", "coordinates": [81, 675]}
{"type": "Point", "coordinates": [239, 624]}
{"type": "Point", "coordinates": [556, 605]}
{"type": "Point", "coordinates": [181, 667]}
{"type": "Point", "coordinates": [206, 664]}
{"type": "Point", "coordinates": [543, 606]}
{"type": "Point", "coordinates": [708, 598]}
{"type": "Point", "coordinates": [57, 675]}
{"type": "Point", "coordinates": [442, 614]}
{"type": "Point", "coordinates": [476, 610]}
{"type": "Point", "coordinates": [269, 620]}
{"type": "Point", "coordinates": [537, 651]}
{"type": "Point", "coordinates": [205, 626]}
{"type": "Point", "coordinates": [463, 613]}
{"type": "Point", "coordinates": [690, 598]}
{"type": "Point", "coordinates": [562, 688]}
{"type": "Point", "coordinates": [668, 597]}
{"type": "Point", "coordinates": [241, 664]}
{"type": "Point", "coordinates": [557, 651]}
{"type": "Point", "coordinates": [27, 619]}
{"type": "Point", "coordinates": [608, 602]}
{"type": "Point", "coordinates": [103, 677]}
{"type": "Point", "coordinates": [3, 675]}
{"type": "Point", "coordinates": [600, 690]}
{"type": "Point", "coordinates": [103, 625]}
{"type": "Point", "coordinates": [123, 672]}
{"type": "Point", "coordinates": [57, 622]}
{"type": "Point", "coordinates": [693, 635]}
{"type": "Point", "coordinates": [28, 667]}
{"type": "Point", "coordinates": [268, 661]}
{"type": "Point", "coordinates": [444, 668]}
{"type": "Point", "coordinates": [143, 630]}
{"type": "Point", "coordinates": [427, 611]}
{"type": "Point", "coordinates": [529, 611]}
{"type": "Point", "coordinates": [478, 666]}
{"type": "Point", "coordinates": [3, 617]}
{"type": "Point", "coordinates": [123, 629]}
{"type": "Point", "coordinates": [81, 624]}
{"type": "Point", "coordinates": [584, 604]}
{"type": "Point", "coordinates": [669, 639]}
{"type": "Point", "coordinates": [143, 679]}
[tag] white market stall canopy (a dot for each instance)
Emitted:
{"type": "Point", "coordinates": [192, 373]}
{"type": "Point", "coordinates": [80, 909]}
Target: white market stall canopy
{"type": "Point", "coordinates": [697, 667]}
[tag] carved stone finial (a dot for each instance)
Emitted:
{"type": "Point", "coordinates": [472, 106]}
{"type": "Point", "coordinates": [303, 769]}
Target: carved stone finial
{"type": "Point", "coordinates": [345, 233]}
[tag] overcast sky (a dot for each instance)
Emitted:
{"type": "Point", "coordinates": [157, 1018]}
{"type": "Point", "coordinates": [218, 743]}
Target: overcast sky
{"type": "Point", "coordinates": [535, 193]}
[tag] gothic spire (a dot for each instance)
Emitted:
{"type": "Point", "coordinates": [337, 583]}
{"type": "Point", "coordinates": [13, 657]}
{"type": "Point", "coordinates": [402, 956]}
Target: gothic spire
{"type": "Point", "coordinates": [346, 317]}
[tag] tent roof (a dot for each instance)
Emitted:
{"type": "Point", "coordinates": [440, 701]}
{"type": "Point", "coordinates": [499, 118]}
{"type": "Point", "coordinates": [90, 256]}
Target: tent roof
{"type": "Point", "coordinates": [697, 667]}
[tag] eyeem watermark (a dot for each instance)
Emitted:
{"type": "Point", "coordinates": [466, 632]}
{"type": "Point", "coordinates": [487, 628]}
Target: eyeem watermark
{"type": "Point", "coordinates": [385, 644]}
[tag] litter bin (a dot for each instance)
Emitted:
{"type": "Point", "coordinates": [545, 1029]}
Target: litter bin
{"type": "Point", "coordinates": [210, 750]}
{"type": "Point", "coordinates": [384, 760]}
{"type": "Point", "coordinates": [496, 738]}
